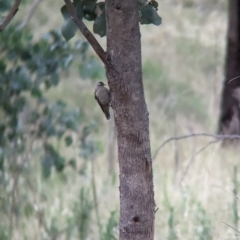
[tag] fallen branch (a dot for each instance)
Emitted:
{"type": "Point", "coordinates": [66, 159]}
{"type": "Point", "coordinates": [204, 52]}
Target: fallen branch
{"type": "Point", "coordinates": [86, 33]}
{"type": "Point", "coordinates": [10, 15]}
{"type": "Point", "coordinates": [218, 137]}
{"type": "Point", "coordinates": [231, 227]}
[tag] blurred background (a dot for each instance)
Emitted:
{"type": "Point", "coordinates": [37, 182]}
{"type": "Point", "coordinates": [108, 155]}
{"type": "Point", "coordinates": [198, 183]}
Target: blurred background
{"type": "Point", "coordinates": [58, 153]}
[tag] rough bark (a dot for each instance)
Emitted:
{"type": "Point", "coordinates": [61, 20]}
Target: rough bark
{"type": "Point", "coordinates": [131, 118]}
{"type": "Point", "coordinates": [229, 122]}
{"type": "Point", "coordinates": [112, 143]}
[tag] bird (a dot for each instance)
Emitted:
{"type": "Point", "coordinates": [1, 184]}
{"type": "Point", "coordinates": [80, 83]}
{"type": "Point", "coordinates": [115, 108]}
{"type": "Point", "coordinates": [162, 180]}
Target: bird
{"type": "Point", "coordinates": [103, 97]}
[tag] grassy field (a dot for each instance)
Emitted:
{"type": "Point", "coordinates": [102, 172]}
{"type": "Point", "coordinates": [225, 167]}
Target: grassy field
{"type": "Point", "coordinates": [195, 192]}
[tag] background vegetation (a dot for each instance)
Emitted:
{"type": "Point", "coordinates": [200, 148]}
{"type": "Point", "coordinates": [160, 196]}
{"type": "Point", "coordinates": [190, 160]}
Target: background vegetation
{"type": "Point", "coordinates": [75, 196]}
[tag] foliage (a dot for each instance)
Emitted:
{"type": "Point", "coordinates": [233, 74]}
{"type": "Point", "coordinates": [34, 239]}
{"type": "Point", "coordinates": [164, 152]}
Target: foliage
{"type": "Point", "coordinates": [27, 70]}
{"type": "Point", "coordinates": [4, 5]}
{"type": "Point", "coordinates": [31, 126]}
{"type": "Point", "coordinates": [92, 10]}
{"type": "Point", "coordinates": [209, 178]}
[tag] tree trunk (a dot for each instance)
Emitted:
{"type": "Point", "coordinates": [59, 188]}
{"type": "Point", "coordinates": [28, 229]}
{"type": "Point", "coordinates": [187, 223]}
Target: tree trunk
{"type": "Point", "coordinates": [112, 140]}
{"type": "Point", "coordinates": [229, 122]}
{"type": "Point", "coordinates": [131, 118]}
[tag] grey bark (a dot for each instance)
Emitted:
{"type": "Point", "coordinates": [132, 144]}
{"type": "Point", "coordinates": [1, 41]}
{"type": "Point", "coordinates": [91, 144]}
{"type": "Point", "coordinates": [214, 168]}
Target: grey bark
{"type": "Point", "coordinates": [131, 118]}
{"type": "Point", "coordinates": [229, 122]}
{"type": "Point", "coordinates": [112, 142]}
{"type": "Point", "coordinates": [124, 73]}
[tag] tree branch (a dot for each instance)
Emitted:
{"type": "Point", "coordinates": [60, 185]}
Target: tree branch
{"type": "Point", "coordinates": [218, 137]}
{"type": "Point", "coordinates": [10, 15]}
{"type": "Point", "coordinates": [231, 227]}
{"type": "Point", "coordinates": [86, 33]}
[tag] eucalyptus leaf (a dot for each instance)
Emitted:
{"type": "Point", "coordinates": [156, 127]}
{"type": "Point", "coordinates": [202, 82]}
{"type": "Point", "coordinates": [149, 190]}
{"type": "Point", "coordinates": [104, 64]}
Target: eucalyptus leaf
{"type": "Point", "coordinates": [154, 4]}
{"type": "Point", "coordinates": [99, 26]}
{"type": "Point", "coordinates": [4, 5]}
{"type": "Point", "coordinates": [59, 163]}
{"type": "Point", "coordinates": [68, 141]}
{"type": "Point", "coordinates": [65, 13]}
{"type": "Point", "coordinates": [1, 162]}
{"type": "Point", "coordinates": [149, 15]}
{"type": "Point", "coordinates": [46, 163]}
{"type": "Point", "coordinates": [68, 29]}
{"type": "Point", "coordinates": [89, 5]}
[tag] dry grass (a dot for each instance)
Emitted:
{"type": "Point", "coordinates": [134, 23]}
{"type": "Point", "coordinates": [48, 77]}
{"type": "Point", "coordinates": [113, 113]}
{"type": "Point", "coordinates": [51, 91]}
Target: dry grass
{"type": "Point", "coordinates": [183, 70]}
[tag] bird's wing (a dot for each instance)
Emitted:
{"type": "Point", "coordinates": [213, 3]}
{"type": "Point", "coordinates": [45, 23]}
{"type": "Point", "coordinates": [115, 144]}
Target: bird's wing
{"type": "Point", "coordinates": [103, 94]}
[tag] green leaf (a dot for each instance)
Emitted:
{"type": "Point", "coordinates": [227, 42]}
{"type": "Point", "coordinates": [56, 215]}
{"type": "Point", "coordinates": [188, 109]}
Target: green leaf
{"type": "Point", "coordinates": [46, 163]}
{"type": "Point", "coordinates": [4, 5]}
{"type": "Point", "coordinates": [59, 163]}
{"type": "Point", "coordinates": [26, 55]}
{"type": "Point", "coordinates": [65, 13]}
{"type": "Point", "coordinates": [1, 162]}
{"type": "Point", "coordinates": [69, 27]}
{"type": "Point", "coordinates": [101, 6]}
{"type": "Point", "coordinates": [57, 160]}
{"type": "Point", "coordinates": [99, 26]}
{"type": "Point", "coordinates": [22, 78]}
{"type": "Point", "coordinates": [79, 10]}
{"type": "Point", "coordinates": [89, 5]}
{"type": "Point", "coordinates": [89, 9]}
{"type": "Point", "coordinates": [3, 66]}
{"type": "Point", "coordinates": [154, 4]}
{"type": "Point", "coordinates": [149, 15]}
{"type": "Point", "coordinates": [67, 60]}
{"type": "Point", "coordinates": [36, 92]}
{"type": "Point", "coordinates": [55, 78]}
{"type": "Point", "coordinates": [68, 141]}
{"type": "Point", "coordinates": [90, 16]}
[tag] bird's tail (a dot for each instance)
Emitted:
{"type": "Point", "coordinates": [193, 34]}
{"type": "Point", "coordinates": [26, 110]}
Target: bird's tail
{"type": "Point", "coordinates": [105, 110]}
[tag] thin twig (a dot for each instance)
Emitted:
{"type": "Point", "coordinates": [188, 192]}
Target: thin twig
{"type": "Point", "coordinates": [86, 33]}
{"type": "Point", "coordinates": [232, 227]}
{"type": "Point", "coordinates": [233, 79]}
{"type": "Point", "coordinates": [30, 13]}
{"type": "Point", "coordinates": [194, 155]}
{"type": "Point", "coordinates": [10, 15]}
{"type": "Point", "coordinates": [219, 137]}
